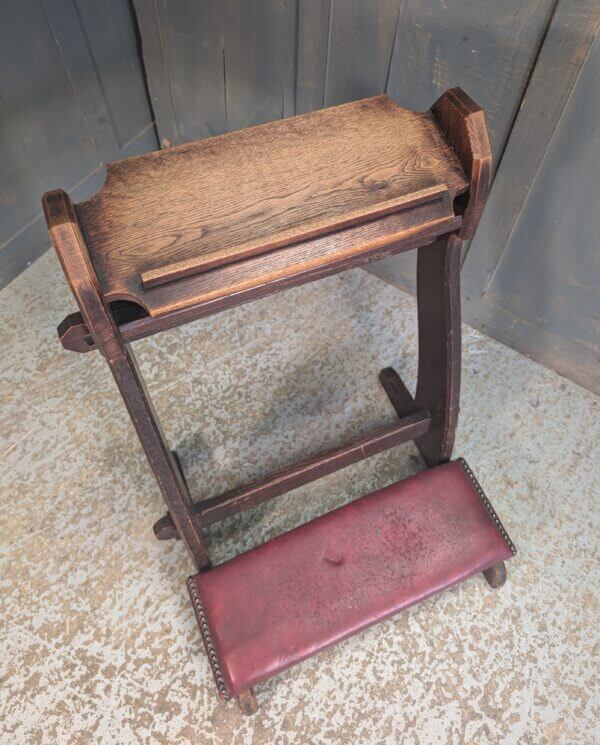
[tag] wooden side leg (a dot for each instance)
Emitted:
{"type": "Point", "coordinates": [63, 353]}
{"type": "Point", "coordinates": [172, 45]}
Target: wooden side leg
{"type": "Point", "coordinates": [438, 381]}
{"type": "Point", "coordinates": [68, 239]}
{"type": "Point", "coordinates": [164, 465]}
{"type": "Point", "coordinates": [247, 702]}
{"type": "Point", "coordinates": [165, 523]}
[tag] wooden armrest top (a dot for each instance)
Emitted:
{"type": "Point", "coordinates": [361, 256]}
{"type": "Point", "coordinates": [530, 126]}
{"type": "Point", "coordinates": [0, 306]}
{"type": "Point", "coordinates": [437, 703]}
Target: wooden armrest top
{"type": "Point", "coordinates": [328, 189]}
{"type": "Point", "coordinates": [210, 202]}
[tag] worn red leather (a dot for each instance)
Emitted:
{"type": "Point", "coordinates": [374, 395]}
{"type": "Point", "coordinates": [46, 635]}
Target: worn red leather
{"type": "Point", "coordinates": [291, 597]}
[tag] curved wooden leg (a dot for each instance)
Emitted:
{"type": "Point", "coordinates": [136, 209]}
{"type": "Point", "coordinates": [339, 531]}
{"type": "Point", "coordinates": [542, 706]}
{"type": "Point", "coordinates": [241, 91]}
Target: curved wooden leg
{"type": "Point", "coordinates": [247, 702]}
{"type": "Point", "coordinates": [164, 527]}
{"type": "Point", "coordinates": [167, 472]}
{"type": "Point", "coordinates": [438, 382]}
{"type": "Point", "coordinates": [70, 245]}
{"type": "Point", "coordinates": [495, 576]}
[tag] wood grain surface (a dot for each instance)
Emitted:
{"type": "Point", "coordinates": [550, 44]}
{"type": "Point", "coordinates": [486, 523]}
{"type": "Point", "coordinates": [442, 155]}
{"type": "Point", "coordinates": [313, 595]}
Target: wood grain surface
{"type": "Point", "coordinates": [463, 122]}
{"type": "Point", "coordinates": [323, 224]}
{"type": "Point", "coordinates": [203, 295]}
{"type": "Point", "coordinates": [208, 198]}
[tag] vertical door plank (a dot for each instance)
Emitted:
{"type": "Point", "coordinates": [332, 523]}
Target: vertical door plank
{"type": "Point", "coordinates": [218, 65]}
{"type": "Point", "coordinates": [109, 33]}
{"type": "Point", "coordinates": [260, 61]}
{"type": "Point", "coordinates": [193, 38]}
{"type": "Point", "coordinates": [157, 70]}
{"type": "Point", "coordinates": [361, 39]}
{"type": "Point", "coordinates": [543, 297]}
{"type": "Point", "coordinates": [565, 49]}
{"type": "Point", "coordinates": [487, 48]}
{"type": "Point", "coordinates": [65, 80]}
{"type": "Point", "coordinates": [313, 41]}
{"type": "Point", "coordinates": [43, 134]}
{"type": "Point", "coordinates": [65, 24]}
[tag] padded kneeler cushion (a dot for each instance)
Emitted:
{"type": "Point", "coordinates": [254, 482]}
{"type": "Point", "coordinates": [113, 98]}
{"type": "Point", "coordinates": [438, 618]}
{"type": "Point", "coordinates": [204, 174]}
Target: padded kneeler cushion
{"type": "Point", "coordinates": [297, 594]}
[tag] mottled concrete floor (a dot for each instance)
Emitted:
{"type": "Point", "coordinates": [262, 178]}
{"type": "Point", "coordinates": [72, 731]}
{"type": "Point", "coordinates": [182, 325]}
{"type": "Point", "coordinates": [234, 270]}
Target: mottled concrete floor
{"type": "Point", "coordinates": [99, 642]}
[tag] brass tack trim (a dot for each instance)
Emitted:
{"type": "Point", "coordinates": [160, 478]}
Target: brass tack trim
{"type": "Point", "coordinates": [486, 503]}
{"type": "Point", "coordinates": [207, 639]}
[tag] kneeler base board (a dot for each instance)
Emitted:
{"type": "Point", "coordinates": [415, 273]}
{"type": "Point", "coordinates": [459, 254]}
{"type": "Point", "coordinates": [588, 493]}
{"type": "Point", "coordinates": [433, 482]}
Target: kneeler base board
{"type": "Point", "coordinates": [279, 603]}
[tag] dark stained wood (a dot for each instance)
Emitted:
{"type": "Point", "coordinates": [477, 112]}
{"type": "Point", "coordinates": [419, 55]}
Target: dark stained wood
{"type": "Point", "coordinates": [321, 225]}
{"type": "Point", "coordinates": [263, 275]}
{"type": "Point", "coordinates": [180, 467]}
{"type": "Point", "coordinates": [210, 197]}
{"type": "Point", "coordinates": [399, 395]}
{"type": "Point", "coordinates": [109, 319]}
{"type": "Point", "coordinates": [495, 576]}
{"type": "Point", "coordinates": [463, 122]}
{"type": "Point", "coordinates": [208, 511]}
{"type": "Point", "coordinates": [464, 125]}
{"type": "Point", "coordinates": [438, 378]}
{"type": "Point", "coordinates": [74, 335]}
{"type": "Point", "coordinates": [427, 221]}
{"type": "Point", "coordinates": [247, 702]}
{"type": "Point", "coordinates": [70, 246]}
{"type": "Point", "coordinates": [438, 381]}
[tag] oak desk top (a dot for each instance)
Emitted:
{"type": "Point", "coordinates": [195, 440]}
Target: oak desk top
{"type": "Point", "coordinates": [195, 223]}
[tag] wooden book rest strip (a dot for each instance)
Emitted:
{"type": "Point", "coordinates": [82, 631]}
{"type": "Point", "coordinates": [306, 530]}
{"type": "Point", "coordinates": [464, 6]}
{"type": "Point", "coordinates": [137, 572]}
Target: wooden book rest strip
{"type": "Point", "coordinates": [311, 229]}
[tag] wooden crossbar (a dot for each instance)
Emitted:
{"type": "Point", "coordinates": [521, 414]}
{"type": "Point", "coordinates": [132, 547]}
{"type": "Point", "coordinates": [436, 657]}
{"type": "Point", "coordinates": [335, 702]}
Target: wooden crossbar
{"type": "Point", "coordinates": [211, 510]}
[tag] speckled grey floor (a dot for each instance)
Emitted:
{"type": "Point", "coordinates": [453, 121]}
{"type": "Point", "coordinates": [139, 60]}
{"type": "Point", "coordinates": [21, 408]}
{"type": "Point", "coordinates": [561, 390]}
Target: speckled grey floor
{"type": "Point", "coordinates": [98, 640]}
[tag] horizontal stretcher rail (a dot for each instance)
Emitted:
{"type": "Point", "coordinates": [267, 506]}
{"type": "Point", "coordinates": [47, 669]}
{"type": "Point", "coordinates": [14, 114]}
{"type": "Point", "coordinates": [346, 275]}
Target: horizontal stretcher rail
{"type": "Point", "coordinates": [212, 510]}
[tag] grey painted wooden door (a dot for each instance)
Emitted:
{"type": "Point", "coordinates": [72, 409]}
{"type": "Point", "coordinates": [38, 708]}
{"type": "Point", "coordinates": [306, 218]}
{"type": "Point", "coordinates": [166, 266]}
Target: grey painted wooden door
{"type": "Point", "coordinates": [220, 65]}
{"type": "Point", "coordinates": [532, 274]}
{"type": "Point", "coordinates": [72, 97]}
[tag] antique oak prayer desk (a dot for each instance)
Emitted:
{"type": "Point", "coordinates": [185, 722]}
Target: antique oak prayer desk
{"type": "Point", "coordinates": [179, 234]}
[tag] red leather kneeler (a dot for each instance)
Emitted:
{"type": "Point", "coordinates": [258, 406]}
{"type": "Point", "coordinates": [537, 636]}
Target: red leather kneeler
{"type": "Point", "coordinates": [297, 594]}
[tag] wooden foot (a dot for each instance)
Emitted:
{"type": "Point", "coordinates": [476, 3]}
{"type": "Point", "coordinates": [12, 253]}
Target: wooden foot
{"type": "Point", "coordinates": [247, 702]}
{"type": "Point", "coordinates": [495, 576]}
